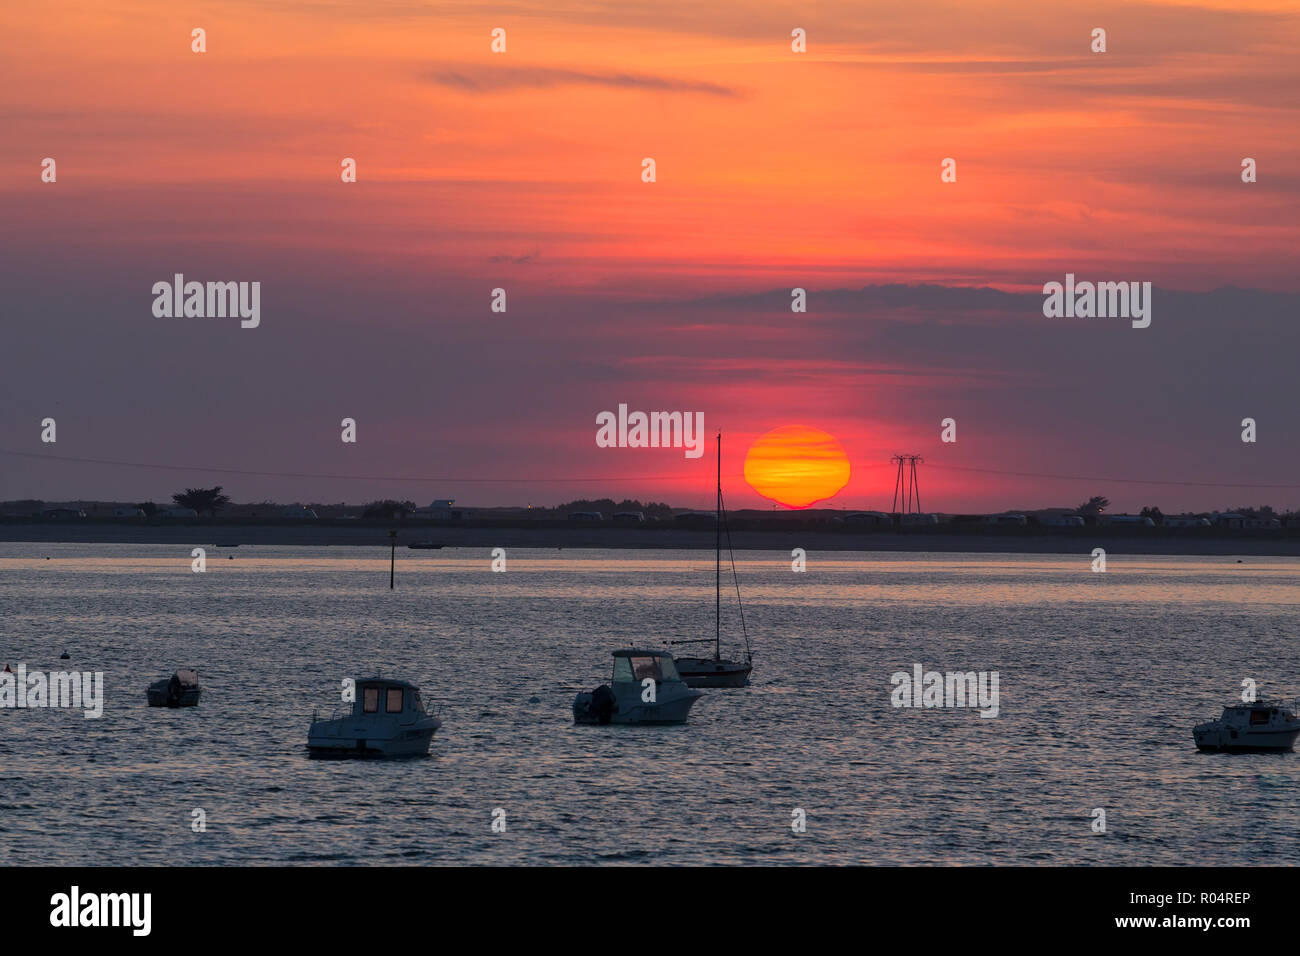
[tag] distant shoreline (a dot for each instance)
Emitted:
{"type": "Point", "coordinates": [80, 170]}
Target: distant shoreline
{"type": "Point", "coordinates": [200, 532]}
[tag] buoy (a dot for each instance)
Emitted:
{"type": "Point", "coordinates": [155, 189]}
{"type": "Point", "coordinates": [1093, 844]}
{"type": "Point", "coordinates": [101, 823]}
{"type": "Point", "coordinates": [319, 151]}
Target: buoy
{"type": "Point", "coordinates": [63, 656]}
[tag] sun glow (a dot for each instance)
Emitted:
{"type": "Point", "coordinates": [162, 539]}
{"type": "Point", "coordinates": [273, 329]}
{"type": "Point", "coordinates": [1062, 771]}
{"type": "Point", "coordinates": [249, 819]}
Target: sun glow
{"type": "Point", "coordinates": [797, 466]}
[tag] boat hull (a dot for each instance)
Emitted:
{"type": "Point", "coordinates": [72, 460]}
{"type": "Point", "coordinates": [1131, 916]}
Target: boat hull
{"type": "Point", "coordinates": [673, 706]}
{"type": "Point", "coordinates": [1263, 740]}
{"type": "Point", "coordinates": [663, 712]}
{"type": "Point", "coordinates": [158, 697]}
{"type": "Point", "coordinates": [341, 738]}
{"type": "Point", "coordinates": [1218, 735]}
{"type": "Point", "coordinates": [706, 672]}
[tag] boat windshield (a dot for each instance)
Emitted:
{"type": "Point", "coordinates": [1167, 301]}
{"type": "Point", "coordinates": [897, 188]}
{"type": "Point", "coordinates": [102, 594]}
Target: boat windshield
{"type": "Point", "coordinates": [638, 668]}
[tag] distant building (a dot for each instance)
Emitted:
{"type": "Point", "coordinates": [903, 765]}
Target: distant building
{"type": "Point", "coordinates": [633, 517]}
{"type": "Point", "coordinates": [1186, 521]}
{"type": "Point", "coordinates": [1061, 521]}
{"type": "Point", "coordinates": [128, 513]}
{"type": "Point", "coordinates": [1228, 520]}
{"type": "Point", "coordinates": [872, 519]}
{"type": "Point", "coordinates": [441, 510]}
{"type": "Point", "coordinates": [586, 516]}
{"type": "Point", "coordinates": [180, 513]}
{"type": "Point", "coordinates": [297, 511]}
{"type": "Point", "coordinates": [918, 519]}
{"type": "Point", "coordinates": [62, 514]}
{"type": "Point", "coordinates": [1012, 519]}
{"type": "Point", "coordinates": [1137, 520]}
{"type": "Point", "coordinates": [1261, 523]}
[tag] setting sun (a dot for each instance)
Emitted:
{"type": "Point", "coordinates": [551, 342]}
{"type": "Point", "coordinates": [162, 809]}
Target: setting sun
{"type": "Point", "coordinates": [797, 466]}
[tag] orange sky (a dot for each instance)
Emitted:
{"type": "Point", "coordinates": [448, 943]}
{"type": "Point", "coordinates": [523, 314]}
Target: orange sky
{"type": "Point", "coordinates": [823, 164]}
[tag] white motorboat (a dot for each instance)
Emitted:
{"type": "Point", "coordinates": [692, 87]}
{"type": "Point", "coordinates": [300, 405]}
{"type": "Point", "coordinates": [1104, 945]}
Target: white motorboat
{"type": "Point", "coordinates": [644, 689]}
{"type": "Point", "coordinates": [387, 719]}
{"type": "Point", "coordinates": [1262, 725]}
{"type": "Point", "coordinates": [718, 671]}
{"type": "Point", "coordinates": [179, 690]}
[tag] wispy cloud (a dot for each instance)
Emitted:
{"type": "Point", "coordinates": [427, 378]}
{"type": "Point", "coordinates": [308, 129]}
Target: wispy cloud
{"type": "Point", "coordinates": [473, 79]}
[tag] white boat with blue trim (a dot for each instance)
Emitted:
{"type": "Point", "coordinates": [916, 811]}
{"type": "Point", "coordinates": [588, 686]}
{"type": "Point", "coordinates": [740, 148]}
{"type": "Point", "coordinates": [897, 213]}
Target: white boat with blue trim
{"type": "Point", "coordinates": [387, 719]}
{"type": "Point", "coordinates": [645, 688]}
{"type": "Point", "coordinates": [1262, 725]}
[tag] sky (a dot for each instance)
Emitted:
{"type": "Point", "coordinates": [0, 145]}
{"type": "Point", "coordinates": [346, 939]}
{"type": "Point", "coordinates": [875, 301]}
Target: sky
{"type": "Point", "coordinates": [774, 170]}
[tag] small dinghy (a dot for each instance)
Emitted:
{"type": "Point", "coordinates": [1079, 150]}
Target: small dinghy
{"type": "Point", "coordinates": [627, 699]}
{"type": "Point", "coordinates": [1262, 725]}
{"type": "Point", "coordinates": [179, 690]}
{"type": "Point", "coordinates": [387, 719]}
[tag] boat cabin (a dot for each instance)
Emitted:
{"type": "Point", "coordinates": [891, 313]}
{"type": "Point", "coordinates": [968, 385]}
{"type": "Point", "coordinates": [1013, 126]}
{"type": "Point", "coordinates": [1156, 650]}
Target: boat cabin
{"type": "Point", "coordinates": [378, 696]}
{"type": "Point", "coordinates": [1251, 715]}
{"type": "Point", "coordinates": [633, 666]}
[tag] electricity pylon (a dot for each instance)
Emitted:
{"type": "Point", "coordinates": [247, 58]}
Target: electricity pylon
{"type": "Point", "coordinates": [906, 487]}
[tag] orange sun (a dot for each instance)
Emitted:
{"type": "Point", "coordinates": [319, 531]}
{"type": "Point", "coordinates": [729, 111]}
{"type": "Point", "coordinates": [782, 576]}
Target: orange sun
{"type": "Point", "coordinates": [796, 466]}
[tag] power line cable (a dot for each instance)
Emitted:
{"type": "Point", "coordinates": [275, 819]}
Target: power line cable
{"type": "Point", "coordinates": [445, 479]}
{"type": "Point", "coordinates": [1118, 481]}
{"type": "Point", "coordinates": [478, 479]}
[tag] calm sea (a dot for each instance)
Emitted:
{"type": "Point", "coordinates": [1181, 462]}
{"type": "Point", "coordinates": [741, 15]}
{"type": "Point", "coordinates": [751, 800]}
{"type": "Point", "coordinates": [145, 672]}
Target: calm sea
{"type": "Point", "coordinates": [1101, 678]}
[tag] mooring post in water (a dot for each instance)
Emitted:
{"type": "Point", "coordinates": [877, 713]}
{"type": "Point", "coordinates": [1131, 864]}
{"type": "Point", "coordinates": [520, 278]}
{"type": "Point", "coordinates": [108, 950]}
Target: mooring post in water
{"type": "Point", "coordinates": [392, 559]}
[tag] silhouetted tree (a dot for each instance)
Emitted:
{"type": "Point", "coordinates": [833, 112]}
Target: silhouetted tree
{"type": "Point", "coordinates": [1263, 511]}
{"type": "Point", "coordinates": [608, 506]}
{"type": "Point", "coordinates": [210, 500]}
{"type": "Point", "coordinates": [388, 508]}
{"type": "Point", "coordinates": [1094, 505]}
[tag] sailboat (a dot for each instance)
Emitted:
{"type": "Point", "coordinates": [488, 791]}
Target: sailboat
{"type": "Point", "coordinates": [718, 671]}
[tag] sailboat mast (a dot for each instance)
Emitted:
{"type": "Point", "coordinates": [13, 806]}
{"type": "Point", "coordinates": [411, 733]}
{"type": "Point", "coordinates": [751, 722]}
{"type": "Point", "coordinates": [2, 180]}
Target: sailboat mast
{"type": "Point", "coordinates": [717, 563]}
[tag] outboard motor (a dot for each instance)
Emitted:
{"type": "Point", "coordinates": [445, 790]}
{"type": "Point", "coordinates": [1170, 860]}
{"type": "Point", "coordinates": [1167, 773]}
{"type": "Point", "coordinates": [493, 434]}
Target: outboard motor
{"type": "Point", "coordinates": [174, 690]}
{"type": "Point", "coordinates": [602, 703]}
